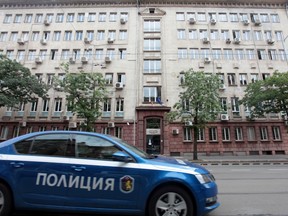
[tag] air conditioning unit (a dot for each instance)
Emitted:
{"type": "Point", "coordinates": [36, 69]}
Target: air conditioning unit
{"type": "Point", "coordinates": [110, 40]}
{"type": "Point", "coordinates": [207, 60]}
{"type": "Point", "coordinates": [72, 124]}
{"type": "Point", "coordinates": [87, 41]}
{"type": "Point", "coordinates": [38, 60]}
{"type": "Point", "coordinates": [228, 41]}
{"type": "Point", "coordinates": [192, 20]}
{"type": "Point", "coordinates": [237, 40]}
{"type": "Point", "coordinates": [270, 41]}
{"type": "Point", "coordinates": [43, 41]}
{"type": "Point", "coordinates": [119, 85]}
{"type": "Point", "coordinates": [257, 22]}
{"type": "Point", "coordinates": [20, 41]}
{"type": "Point", "coordinates": [206, 40]}
{"type": "Point", "coordinates": [246, 22]}
{"type": "Point", "coordinates": [111, 124]}
{"type": "Point", "coordinates": [213, 21]}
{"type": "Point", "coordinates": [84, 59]}
{"type": "Point", "coordinates": [123, 21]}
{"type": "Point", "coordinates": [66, 118]}
{"type": "Point", "coordinates": [46, 22]}
{"type": "Point", "coordinates": [175, 131]}
{"type": "Point", "coordinates": [107, 59]}
{"type": "Point", "coordinates": [224, 117]}
{"type": "Point", "coordinates": [72, 60]}
{"type": "Point", "coordinates": [188, 123]}
{"type": "Point", "coordinates": [222, 86]}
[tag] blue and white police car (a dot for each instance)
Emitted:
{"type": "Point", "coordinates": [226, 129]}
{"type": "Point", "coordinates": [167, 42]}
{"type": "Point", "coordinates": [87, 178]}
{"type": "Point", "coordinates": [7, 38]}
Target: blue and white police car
{"type": "Point", "coordinates": [73, 171]}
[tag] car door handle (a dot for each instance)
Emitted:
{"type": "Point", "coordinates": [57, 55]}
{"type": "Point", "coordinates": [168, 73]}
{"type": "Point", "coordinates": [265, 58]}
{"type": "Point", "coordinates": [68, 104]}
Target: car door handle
{"type": "Point", "coordinates": [78, 168]}
{"type": "Point", "coordinates": [17, 164]}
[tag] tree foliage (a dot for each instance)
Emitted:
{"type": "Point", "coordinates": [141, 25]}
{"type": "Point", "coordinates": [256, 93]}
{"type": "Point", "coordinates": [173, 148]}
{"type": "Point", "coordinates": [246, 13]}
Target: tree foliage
{"type": "Point", "coordinates": [17, 84]}
{"type": "Point", "coordinates": [85, 94]}
{"type": "Point", "coordinates": [198, 101]}
{"type": "Point", "coordinates": [267, 96]}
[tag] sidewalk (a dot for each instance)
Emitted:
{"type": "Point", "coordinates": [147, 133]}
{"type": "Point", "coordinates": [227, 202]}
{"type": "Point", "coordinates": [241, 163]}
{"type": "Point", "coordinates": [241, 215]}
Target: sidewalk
{"type": "Point", "coordinates": [239, 160]}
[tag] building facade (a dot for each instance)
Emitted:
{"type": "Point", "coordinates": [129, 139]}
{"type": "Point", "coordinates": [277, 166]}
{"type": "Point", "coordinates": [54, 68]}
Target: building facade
{"type": "Point", "coordinates": [141, 47]}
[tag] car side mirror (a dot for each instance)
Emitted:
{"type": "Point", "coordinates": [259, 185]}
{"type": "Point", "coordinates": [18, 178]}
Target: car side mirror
{"type": "Point", "coordinates": [122, 156]}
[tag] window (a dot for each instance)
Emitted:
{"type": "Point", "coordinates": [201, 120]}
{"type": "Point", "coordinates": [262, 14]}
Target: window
{"type": "Point", "coordinates": [283, 55]}
{"type": "Point", "coordinates": [91, 17]}
{"type": "Point", "coordinates": [152, 45]}
{"type": "Point", "coordinates": [267, 35]}
{"type": "Point", "coordinates": [20, 55]}
{"type": "Point", "coordinates": [7, 18]}
{"type": "Point", "coordinates": [80, 17]}
{"type": "Point", "coordinates": [3, 36]}
{"type": "Point", "coordinates": [272, 54]}
{"type": "Point", "coordinates": [226, 134]}
{"type": "Point", "coordinates": [251, 136]}
{"type": "Point", "coordinates": [18, 18]}
{"type": "Point", "coordinates": [258, 35]}
{"type": "Point", "coordinates": [10, 54]}
{"type": "Point", "coordinates": [45, 105]}
{"type": "Point", "coordinates": [194, 53]}
{"type": "Point", "coordinates": [65, 54]}
{"type": "Point", "coordinates": [231, 79]}
{"type": "Point", "coordinates": [263, 133]}
{"type": "Point", "coordinates": [31, 55]}
{"type": "Point", "coordinates": [68, 36]}
{"type": "Point", "coordinates": [70, 17]}
{"type": "Point", "coordinates": [193, 34]}
{"type": "Point", "coordinates": [123, 35]}
{"type": "Point", "coordinates": [46, 35]}
{"type": "Point", "coordinates": [214, 34]}
{"type": "Point", "coordinates": [225, 34]}
{"type": "Point", "coordinates": [76, 54]}
{"type": "Point", "coordinates": [222, 17]}
{"type": "Point", "coordinates": [35, 36]}
{"type": "Point", "coordinates": [212, 16]}
{"type": "Point", "coordinates": [102, 17]}
{"type": "Point", "coordinates": [251, 54]}
{"type": "Point", "coordinates": [14, 36]}
{"type": "Point", "coordinates": [235, 106]}
{"type": "Point", "coordinates": [181, 34]}
{"type": "Point", "coordinates": [124, 15]}
{"type": "Point", "coordinates": [49, 18]}
{"type": "Point", "coordinates": [151, 94]}
{"type": "Point", "coordinates": [119, 105]}
{"type": "Point", "coordinates": [42, 54]}
{"type": "Point", "coordinates": [90, 35]}
{"type": "Point", "coordinates": [275, 18]}
{"type": "Point", "coordinates": [201, 134]}
{"type": "Point", "coordinates": [39, 18]}
{"type": "Point", "coordinates": [238, 134]}
{"type": "Point", "coordinates": [50, 78]}
{"type": "Point", "coordinates": [53, 54]}
{"type": "Point", "coordinates": [234, 17]}
{"type": "Point", "coordinates": [254, 78]}
{"type": "Point", "coordinates": [265, 76]}
{"type": "Point", "coordinates": [246, 35]}
{"type": "Point", "coordinates": [121, 77]}
{"type": "Point", "coordinates": [236, 34]}
{"type": "Point", "coordinates": [59, 18]}
{"type": "Point", "coordinates": [191, 15]}
{"type": "Point", "coordinates": [112, 34]}
{"type": "Point", "coordinates": [79, 35]}
{"type": "Point", "coordinates": [152, 66]}
{"type": "Point", "coordinates": [201, 16]}
{"type": "Point", "coordinates": [261, 54]}
{"type": "Point", "coordinates": [243, 79]}
{"type": "Point", "coordinates": [244, 16]}
{"type": "Point", "coordinates": [110, 53]}
{"type": "Point", "coordinates": [216, 54]}
{"type": "Point", "coordinates": [4, 132]}
{"type": "Point", "coordinates": [34, 105]}
{"type": "Point", "coordinates": [112, 17]}
{"type": "Point", "coordinates": [109, 78]}
{"type": "Point", "coordinates": [58, 105]}
{"type": "Point", "coordinates": [203, 33]}
{"type": "Point", "coordinates": [187, 134]}
{"type": "Point", "coordinates": [182, 53]}
{"type": "Point", "coordinates": [118, 132]}
{"type": "Point", "coordinates": [99, 54]}
{"type": "Point", "coordinates": [264, 18]}
{"type": "Point", "coordinates": [100, 35]}
{"type": "Point", "coordinates": [239, 53]}
{"type": "Point", "coordinates": [205, 53]}
{"type": "Point", "coordinates": [276, 133]}
{"type": "Point", "coordinates": [180, 16]}
{"type": "Point", "coordinates": [88, 53]}
{"type": "Point", "coordinates": [107, 105]}
{"type": "Point", "coordinates": [56, 35]}
{"type": "Point", "coordinates": [39, 77]}
{"type": "Point", "coordinates": [279, 35]}
{"type": "Point", "coordinates": [213, 134]}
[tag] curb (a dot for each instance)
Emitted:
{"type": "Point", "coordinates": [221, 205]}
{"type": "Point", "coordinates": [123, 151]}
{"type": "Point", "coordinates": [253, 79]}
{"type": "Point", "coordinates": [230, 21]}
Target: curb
{"type": "Point", "coordinates": [245, 163]}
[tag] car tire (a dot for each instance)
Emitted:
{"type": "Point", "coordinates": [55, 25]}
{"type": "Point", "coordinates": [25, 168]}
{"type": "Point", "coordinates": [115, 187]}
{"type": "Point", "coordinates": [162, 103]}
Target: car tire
{"type": "Point", "coordinates": [5, 201]}
{"type": "Point", "coordinates": [170, 200]}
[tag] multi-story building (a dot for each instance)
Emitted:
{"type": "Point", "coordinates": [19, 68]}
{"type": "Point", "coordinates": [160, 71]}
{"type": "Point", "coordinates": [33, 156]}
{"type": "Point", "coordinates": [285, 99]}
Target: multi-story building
{"type": "Point", "coordinates": [141, 47]}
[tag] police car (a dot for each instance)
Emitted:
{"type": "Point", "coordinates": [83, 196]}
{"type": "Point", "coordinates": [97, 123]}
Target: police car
{"type": "Point", "coordinates": [73, 171]}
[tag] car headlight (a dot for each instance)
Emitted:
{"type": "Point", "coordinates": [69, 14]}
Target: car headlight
{"type": "Point", "coordinates": [205, 178]}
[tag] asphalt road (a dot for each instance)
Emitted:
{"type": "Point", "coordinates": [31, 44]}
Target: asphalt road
{"type": "Point", "coordinates": [254, 190]}
{"type": "Point", "coordinates": [251, 190]}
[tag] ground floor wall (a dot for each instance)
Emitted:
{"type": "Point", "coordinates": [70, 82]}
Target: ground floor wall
{"type": "Point", "coordinates": [152, 133]}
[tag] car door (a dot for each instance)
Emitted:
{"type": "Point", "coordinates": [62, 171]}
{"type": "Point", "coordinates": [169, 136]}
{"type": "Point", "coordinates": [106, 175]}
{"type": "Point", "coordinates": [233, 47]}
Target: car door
{"type": "Point", "coordinates": [100, 182]}
{"type": "Point", "coordinates": [38, 170]}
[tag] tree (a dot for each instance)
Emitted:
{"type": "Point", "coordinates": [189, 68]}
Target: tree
{"type": "Point", "coordinates": [267, 96]}
{"type": "Point", "coordinates": [85, 94]}
{"type": "Point", "coordinates": [17, 85]}
{"type": "Point", "coordinates": [198, 102]}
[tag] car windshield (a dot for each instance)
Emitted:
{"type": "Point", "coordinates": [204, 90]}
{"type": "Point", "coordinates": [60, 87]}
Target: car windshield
{"type": "Point", "coordinates": [132, 148]}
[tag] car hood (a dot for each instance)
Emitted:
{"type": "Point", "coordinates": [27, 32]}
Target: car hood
{"type": "Point", "coordinates": [177, 163]}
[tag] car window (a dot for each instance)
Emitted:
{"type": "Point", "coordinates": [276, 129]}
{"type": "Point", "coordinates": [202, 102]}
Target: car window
{"type": "Point", "coordinates": [23, 147]}
{"type": "Point", "coordinates": [94, 147]}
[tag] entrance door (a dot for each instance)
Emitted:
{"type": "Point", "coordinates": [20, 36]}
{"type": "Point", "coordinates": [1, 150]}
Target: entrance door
{"type": "Point", "coordinates": [153, 136]}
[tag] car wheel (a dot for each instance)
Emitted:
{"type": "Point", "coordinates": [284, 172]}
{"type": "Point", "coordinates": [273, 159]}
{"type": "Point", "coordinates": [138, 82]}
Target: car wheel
{"type": "Point", "coordinates": [170, 201]}
{"type": "Point", "coordinates": [5, 201]}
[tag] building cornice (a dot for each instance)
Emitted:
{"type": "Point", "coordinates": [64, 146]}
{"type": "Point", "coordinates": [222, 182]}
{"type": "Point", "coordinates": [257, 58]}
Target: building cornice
{"type": "Point", "coordinates": [143, 3]}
